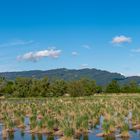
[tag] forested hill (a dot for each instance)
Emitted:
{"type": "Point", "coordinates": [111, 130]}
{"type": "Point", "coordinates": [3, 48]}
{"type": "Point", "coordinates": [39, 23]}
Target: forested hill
{"type": "Point", "coordinates": [101, 77]}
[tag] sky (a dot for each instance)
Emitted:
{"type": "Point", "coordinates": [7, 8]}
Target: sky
{"type": "Point", "coordinates": [73, 34]}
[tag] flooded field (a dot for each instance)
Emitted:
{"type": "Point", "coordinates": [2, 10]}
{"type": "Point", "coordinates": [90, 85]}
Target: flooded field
{"type": "Point", "coordinates": [115, 117]}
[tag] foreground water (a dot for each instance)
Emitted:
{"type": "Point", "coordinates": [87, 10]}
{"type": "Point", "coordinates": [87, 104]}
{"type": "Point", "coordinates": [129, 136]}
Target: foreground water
{"type": "Point", "coordinates": [23, 135]}
{"type": "Point", "coordinates": [66, 111]}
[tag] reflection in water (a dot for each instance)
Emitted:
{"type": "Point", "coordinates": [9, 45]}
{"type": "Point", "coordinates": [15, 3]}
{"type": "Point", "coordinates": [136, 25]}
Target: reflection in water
{"type": "Point", "coordinates": [85, 137]}
{"type": "Point", "coordinates": [50, 138]}
{"type": "Point", "coordinates": [33, 137]}
{"type": "Point", "coordinates": [40, 137]}
{"type": "Point", "coordinates": [22, 133]}
{"type": "Point", "coordinates": [4, 138]}
{"type": "Point", "coordinates": [138, 132]}
{"type": "Point", "coordinates": [11, 135]}
{"type": "Point", "coordinates": [109, 138]}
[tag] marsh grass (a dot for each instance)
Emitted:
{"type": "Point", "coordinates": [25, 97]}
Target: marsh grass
{"type": "Point", "coordinates": [71, 118]}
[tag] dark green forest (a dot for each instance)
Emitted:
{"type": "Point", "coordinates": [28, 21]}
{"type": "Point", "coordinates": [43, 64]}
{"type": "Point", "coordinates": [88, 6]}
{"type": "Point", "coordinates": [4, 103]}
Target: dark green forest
{"type": "Point", "coordinates": [102, 77]}
{"type": "Point", "coordinates": [32, 87]}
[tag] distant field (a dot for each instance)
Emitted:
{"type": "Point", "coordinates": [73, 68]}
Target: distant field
{"type": "Point", "coordinates": [68, 118]}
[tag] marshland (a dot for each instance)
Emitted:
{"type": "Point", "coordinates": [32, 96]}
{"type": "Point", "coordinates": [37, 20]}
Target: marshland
{"type": "Point", "coordinates": [101, 117]}
{"type": "Point", "coordinates": [69, 70]}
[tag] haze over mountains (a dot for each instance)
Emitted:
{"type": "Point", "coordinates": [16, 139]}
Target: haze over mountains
{"type": "Point", "coordinates": [102, 77]}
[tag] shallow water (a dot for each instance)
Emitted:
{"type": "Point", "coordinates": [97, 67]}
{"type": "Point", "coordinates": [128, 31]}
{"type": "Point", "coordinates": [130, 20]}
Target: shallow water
{"type": "Point", "coordinates": [19, 135]}
{"type": "Point", "coordinates": [22, 135]}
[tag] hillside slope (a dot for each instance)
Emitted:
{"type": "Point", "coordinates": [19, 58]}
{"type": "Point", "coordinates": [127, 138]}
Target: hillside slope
{"type": "Point", "coordinates": [101, 77]}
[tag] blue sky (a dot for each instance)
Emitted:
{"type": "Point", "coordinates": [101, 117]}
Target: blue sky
{"type": "Point", "coordinates": [75, 34]}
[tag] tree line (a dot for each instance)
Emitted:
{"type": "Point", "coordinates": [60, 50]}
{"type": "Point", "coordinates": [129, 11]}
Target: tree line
{"type": "Point", "coordinates": [31, 87]}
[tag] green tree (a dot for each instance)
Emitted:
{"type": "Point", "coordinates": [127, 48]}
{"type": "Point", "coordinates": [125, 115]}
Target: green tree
{"type": "Point", "coordinates": [76, 89]}
{"type": "Point", "coordinates": [2, 85]}
{"type": "Point", "coordinates": [8, 89]}
{"type": "Point", "coordinates": [89, 86]}
{"type": "Point", "coordinates": [83, 87]}
{"type": "Point", "coordinates": [99, 89]}
{"type": "Point", "coordinates": [58, 88]}
{"type": "Point", "coordinates": [22, 87]}
{"type": "Point", "coordinates": [35, 88]}
{"type": "Point", "coordinates": [113, 87]}
{"type": "Point", "coordinates": [44, 87]}
{"type": "Point", "coordinates": [125, 88]}
{"type": "Point", "coordinates": [132, 87]}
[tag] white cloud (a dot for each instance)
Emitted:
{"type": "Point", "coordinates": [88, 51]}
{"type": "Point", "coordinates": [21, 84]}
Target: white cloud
{"type": "Point", "coordinates": [16, 43]}
{"type": "Point", "coordinates": [74, 53]}
{"type": "Point", "coordinates": [35, 56]}
{"type": "Point", "coordinates": [86, 46]}
{"type": "Point", "coordinates": [128, 74]}
{"type": "Point", "coordinates": [84, 65]}
{"type": "Point", "coordinates": [121, 39]}
{"type": "Point", "coordinates": [136, 50]}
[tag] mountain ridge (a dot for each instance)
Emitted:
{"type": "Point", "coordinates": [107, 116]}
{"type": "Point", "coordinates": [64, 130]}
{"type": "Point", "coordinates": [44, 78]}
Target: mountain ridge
{"type": "Point", "coordinates": [102, 77]}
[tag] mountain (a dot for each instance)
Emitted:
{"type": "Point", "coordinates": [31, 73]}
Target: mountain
{"type": "Point", "coordinates": [101, 77]}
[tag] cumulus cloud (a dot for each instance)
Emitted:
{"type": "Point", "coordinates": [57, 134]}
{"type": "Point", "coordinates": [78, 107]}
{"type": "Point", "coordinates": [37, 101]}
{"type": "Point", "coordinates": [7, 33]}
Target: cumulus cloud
{"type": "Point", "coordinates": [16, 43]}
{"type": "Point", "coordinates": [121, 39]}
{"type": "Point", "coordinates": [74, 53]}
{"type": "Point", "coordinates": [35, 56]}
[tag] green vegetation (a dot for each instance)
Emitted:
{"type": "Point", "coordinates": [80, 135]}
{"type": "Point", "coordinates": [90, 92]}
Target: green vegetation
{"type": "Point", "coordinates": [31, 87]}
{"type": "Point", "coordinates": [101, 77]}
{"type": "Point", "coordinates": [69, 117]}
